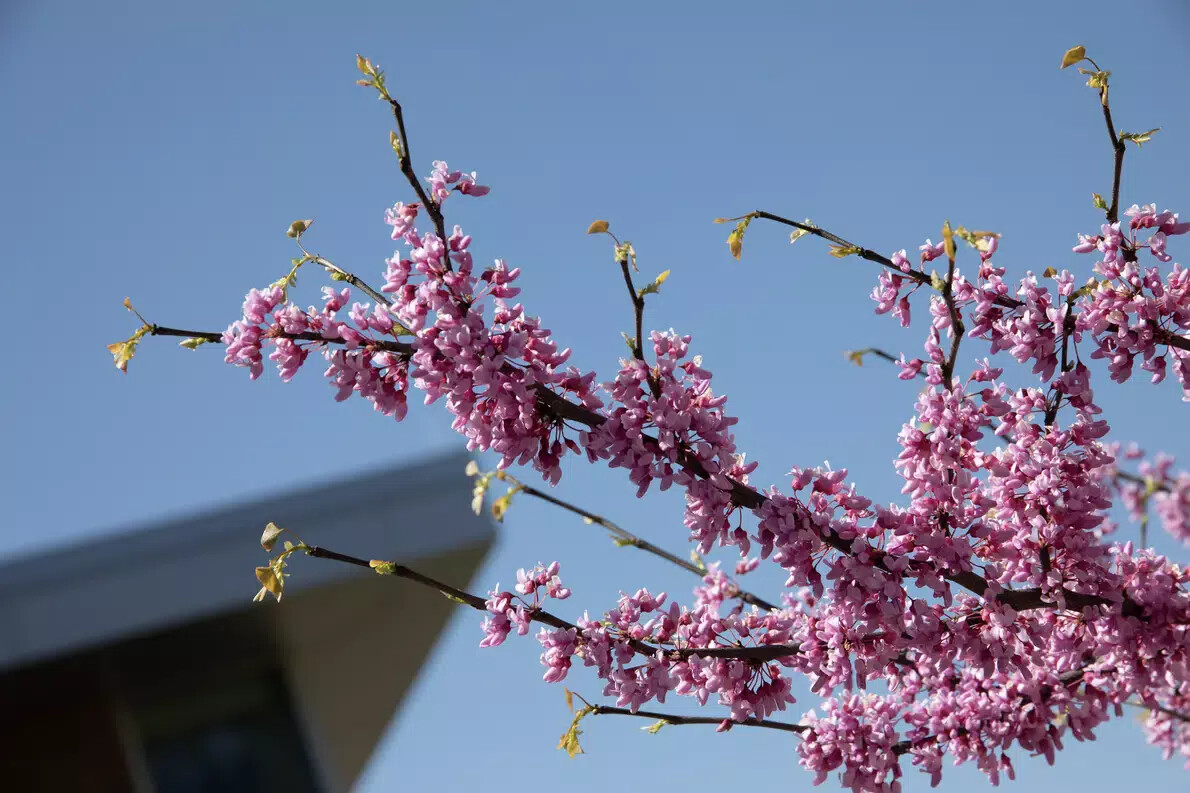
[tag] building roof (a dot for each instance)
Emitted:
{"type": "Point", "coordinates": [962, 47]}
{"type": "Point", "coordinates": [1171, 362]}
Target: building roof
{"type": "Point", "coordinates": [131, 582]}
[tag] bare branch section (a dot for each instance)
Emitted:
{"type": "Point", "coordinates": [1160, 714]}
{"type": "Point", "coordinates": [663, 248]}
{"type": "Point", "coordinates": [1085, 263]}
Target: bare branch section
{"type": "Point", "coordinates": [760, 653]}
{"type": "Point", "coordinates": [669, 718]}
{"type": "Point", "coordinates": [625, 537]}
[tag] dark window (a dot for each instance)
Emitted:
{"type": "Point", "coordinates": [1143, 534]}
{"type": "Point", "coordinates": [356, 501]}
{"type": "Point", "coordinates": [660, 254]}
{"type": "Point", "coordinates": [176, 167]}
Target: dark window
{"type": "Point", "coordinates": [238, 736]}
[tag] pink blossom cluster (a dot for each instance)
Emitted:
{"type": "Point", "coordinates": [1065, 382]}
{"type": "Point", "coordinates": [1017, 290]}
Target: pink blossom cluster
{"type": "Point", "coordinates": [988, 609]}
{"type": "Point", "coordinates": [1156, 482]}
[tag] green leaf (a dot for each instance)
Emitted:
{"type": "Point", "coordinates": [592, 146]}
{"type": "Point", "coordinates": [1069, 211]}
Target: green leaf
{"type": "Point", "coordinates": [655, 286]}
{"type": "Point", "coordinates": [122, 351]}
{"type": "Point", "coordinates": [624, 252]}
{"type": "Point", "coordinates": [395, 142]}
{"type": "Point", "coordinates": [936, 281]}
{"type": "Point", "coordinates": [569, 699]}
{"type": "Point", "coordinates": [193, 343]}
{"type": "Point", "coordinates": [1073, 56]}
{"type": "Point", "coordinates": [696, 560]}
{"type": "Point", "coordinates": [1096, 79]}
{"type": "Point", "coordinates": [569, 741]}
{"type": "Point", "coordinates": [382, 567]}
{"type": "Point", "coordinates": [1098, 202]}
{"type": "Point", "coordinates": [629, 340]}
{"type": "Point", "coordinates": [655, 727]}
{"type": "Point", "coordinates": [797, 234]}
{"type": "Point", "coordinates": [855, 356]}
{"type": "Point", "coordinates": [621, 542]}
{"type": "Point", "coordinates": [269, 538]}
{"type": "Point", "coordinates": [843, 251]}
{"type": "Point", "coordinates": [735, 240]}
{"type": "Point", "coordinates": [597, 227]}
{"type": "Point", "coordinates": [1140, 137]}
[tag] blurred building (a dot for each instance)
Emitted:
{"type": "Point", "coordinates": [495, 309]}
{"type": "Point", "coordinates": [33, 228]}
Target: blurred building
{"type": "Point", "coordinates": [138, 663]}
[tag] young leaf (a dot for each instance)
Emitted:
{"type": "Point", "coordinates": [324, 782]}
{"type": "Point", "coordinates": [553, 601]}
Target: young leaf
{"type": "Point", "coordinates": [1098, 201]}
{"type": "Point", "coordinates": [843, 251]}
{"type": "Point", "coordinates": [655, 286]}
{"type": "Point", "coordinates": [948, 240]}
{"type": "Point", "coordinates": [1073, 56]}
{"type": "Point", "coordinates": [193, 343]}
{"type": "Point", "coordinates": [298, 227]}
{"type": "Point", "coordinates": [1140, 137]}
{"type": "Point", "coordinates": [624, 252]}
{"type": "Point", "coordinates": [569, 699]}
{"type": "Point", "coordinates": [270, 582]}
{"type": "Point", "coordinates": [735, 240]}
{"type": "Point", "coordinates": [1049, 272]}
{"type": "Point", "coordinates": [797, 234]}
{"type": "Point", "coordinates": [381, 567]}
{"type": "Point", "coordinates": [655, 727]}
{"type": "Point", "coordinates": [856, 356]}
{"type": "Point", "coordinates": [597, 227]}
{"type": "Point", "coordinates": [269, 538]}
{"type": "Point", "coordinates": [122, 351]}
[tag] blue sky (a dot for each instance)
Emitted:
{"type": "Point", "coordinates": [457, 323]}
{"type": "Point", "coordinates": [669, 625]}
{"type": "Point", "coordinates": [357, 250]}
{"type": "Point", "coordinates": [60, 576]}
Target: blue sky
{"type": "Point", "coordinates": [160, 150]}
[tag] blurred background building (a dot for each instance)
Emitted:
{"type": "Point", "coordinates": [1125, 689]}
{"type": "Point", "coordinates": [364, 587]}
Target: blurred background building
{"type": "Point", "coordinates": [138, 663]}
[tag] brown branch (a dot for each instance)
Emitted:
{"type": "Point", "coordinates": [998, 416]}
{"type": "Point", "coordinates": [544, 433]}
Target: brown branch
{"type": "Point", "coordinates": [628, 538]}
{"type": "Point", "coordinates": [759, 653]}
{"type": "Point", "coordinates": [1162, 335]}
{"type": "Point", "coordinates": [406, 162]}
{"type": "Point", "coordinates": [1113, 212]}
{"type": "Point", "coordinates": [669, 718]}
{"type": "Point", "coordinates": [741, 494]}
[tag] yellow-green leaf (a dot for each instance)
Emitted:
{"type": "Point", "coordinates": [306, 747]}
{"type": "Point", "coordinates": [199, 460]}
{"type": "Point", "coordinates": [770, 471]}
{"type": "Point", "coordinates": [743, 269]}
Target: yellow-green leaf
{"type": "Point", "coordinates": [270, 581]}
{"type": "Point", "coordinates": [382, 567]}
{"type": "Point", "coordinates": [843, 251]}
{"type": "Point", "coordinates": [1096, 79]}
{"type": "Point", "coordinates": [655, 727]}
{"type": "Point", "coordinates": [395, 141]}
{"type": "Point", "coordinates": [625, 252]}
{"type": "Point", "coordinates": [269, 538]}
{"type": "Point", "coordinates": [122, 351]}
{"type": "Point", "coordinates": [735, 240]}
{"type": "Point", "coordinates": [797, 234]}
{"type": "Point", "coordinates": [598, 227]}
{"type": "Point", "coordinates": [1098, 201]}
{"type": "Point", "coordinates": [655, 286]}
{"type": "Point", "coordinates": [1140, 137]}
{"type": "Point", "coordinates": [363, 64]}
{"type": "Point", "coordinates": [298, 227]}
{"type": "Point", "coordinates": [856, 356]}
{"type": "Point", "coordinates": [696, 560]}
{"type": "Point", "coordinates": [1073, 56]}
{"type": "Point", "coordinates": [569, 741]}
{"type": "Point", "coordinates": [948, 240]}
{"type": "Point", "coordinates": [193, 343]}
{"type": "Point", "coordinates": [1049, 272]}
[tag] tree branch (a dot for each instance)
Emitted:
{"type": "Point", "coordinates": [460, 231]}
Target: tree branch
{"type": "Point", "coordinates": [669, 718]}
{"type": "Point", "coordinates": [628, 538]}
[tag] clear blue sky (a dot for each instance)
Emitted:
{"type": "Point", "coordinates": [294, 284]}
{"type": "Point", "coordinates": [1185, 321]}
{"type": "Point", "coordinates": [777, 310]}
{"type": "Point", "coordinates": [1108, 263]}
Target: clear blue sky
{"type": "Point", "coordinates": [159, 150]}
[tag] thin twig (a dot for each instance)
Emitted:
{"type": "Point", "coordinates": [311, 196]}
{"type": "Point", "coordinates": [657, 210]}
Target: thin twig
{"type": "Point", "coordinates": [628, 538]}
{"type": "Point", "coordinates": [669, 718]}
{"type": "Point", "coordinates": [759, 653]}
